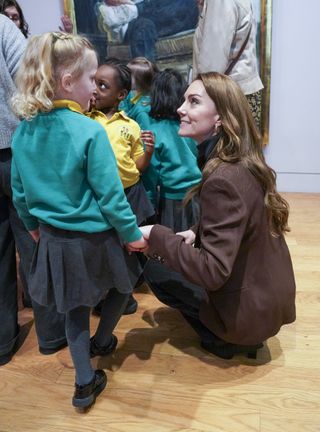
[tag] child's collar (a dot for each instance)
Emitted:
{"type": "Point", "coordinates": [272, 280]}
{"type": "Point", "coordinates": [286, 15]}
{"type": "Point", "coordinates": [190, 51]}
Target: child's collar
{"type": "Point", "coordinates": [135, 98]}
{"type": "Point", "coordinates": [115, 116]}
{"type": "Point", "coordinates": [66, 103]}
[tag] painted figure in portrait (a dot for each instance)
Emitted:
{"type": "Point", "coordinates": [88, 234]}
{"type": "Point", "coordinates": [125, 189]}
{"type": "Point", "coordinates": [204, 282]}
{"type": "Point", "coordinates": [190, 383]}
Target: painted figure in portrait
{"type": "Point", "coordinates": [162, 31]}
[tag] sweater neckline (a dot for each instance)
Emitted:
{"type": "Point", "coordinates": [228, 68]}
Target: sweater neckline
{"type": "Point", "coordinates": [69, 104]}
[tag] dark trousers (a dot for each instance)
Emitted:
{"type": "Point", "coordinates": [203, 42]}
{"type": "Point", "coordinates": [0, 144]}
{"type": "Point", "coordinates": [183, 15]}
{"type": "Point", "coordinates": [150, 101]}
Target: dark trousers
{"type": "Point", "coordinates": [87, 25]}
{"type": "Point", "coordinates": [157, 19]}
{"type": "Point", "coordinates": [170, 17]}
{"type": "Point", "coordinates": [174, 290]}
{"type": "Point", "coordinates": [49, 324]}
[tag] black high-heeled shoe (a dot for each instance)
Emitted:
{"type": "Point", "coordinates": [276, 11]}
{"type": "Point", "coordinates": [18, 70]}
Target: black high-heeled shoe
{"type": "Point", "coordinates": [228, 350]}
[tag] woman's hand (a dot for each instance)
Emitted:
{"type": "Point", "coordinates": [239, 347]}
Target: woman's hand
{"type": "Point", "coordinates": [189, 236]}
{"type": "Point", "coordinates": [146, 230]}
{"type": "Point", "coordinates": [148, 139]}
{"type": "Point", "coordinates": [35, 234]}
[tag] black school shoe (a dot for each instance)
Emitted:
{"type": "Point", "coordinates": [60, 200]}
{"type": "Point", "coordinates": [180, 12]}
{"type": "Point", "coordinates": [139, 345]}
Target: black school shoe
{"type": "Point", "coordinates": [97, 350]}
{"type": "Point", "coordinates": [131, 306]}
{"type": "Point", "coordinates": [85, 396]}
{"type": "Point", "coordinates": [228, 350]}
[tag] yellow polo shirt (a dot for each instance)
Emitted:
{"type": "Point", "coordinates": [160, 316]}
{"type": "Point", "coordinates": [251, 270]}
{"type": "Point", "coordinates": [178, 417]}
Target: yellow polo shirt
{"type": "Point", "coordinates": [124, 136]}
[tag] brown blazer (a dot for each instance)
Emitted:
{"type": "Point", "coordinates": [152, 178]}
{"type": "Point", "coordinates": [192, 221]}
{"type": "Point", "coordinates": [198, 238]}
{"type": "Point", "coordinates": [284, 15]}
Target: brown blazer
{"type": "Point", "coordinates": [246, 272]}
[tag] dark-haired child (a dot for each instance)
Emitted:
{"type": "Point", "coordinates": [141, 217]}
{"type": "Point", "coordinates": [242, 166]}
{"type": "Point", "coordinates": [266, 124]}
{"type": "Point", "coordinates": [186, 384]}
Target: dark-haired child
{"type": "Point", "coordinates": [113, 82]}
{"type": "Point", "coordinates": [173, 168]}
{"type": "Point", "coordinates": [138, 100]}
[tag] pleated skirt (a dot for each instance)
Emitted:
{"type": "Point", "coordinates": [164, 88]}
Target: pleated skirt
{"type": "Point", "coordinates": [173, 214]}
{"type": "Point", "coordinates": [139, 202]}
{"type": "Point", "coordinates": [73, 268]}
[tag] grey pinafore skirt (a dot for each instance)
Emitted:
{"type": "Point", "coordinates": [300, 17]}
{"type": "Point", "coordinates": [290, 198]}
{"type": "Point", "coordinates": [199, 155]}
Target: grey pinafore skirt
{"type": "Point", "coordinates": [73, 268]}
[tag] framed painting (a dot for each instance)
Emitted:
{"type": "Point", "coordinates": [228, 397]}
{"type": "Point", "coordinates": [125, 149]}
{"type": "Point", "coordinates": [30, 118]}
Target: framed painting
{"type": "Point", "coordinates": [264, 56]}
{"type": "Point", "coordinates": [163, 32]}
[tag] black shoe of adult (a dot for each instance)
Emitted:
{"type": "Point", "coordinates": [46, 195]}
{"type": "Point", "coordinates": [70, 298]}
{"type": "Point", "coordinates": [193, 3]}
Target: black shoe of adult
{"type": "Point", "coordinates": [49, 351]}
{"type": "Point", "coordinates": [131, 306]}
{"type": "Point", "coordinates": [97, 350]}
{"type": "Point", "coordinates": [228, 350]}
{"type": "Point", "coordinates": [5, 358]}
{"type": "Point", "coordinates": [85, 396]}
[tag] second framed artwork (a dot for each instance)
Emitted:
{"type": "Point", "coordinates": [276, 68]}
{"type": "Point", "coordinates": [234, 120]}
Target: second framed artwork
{"type": "Point", "coordinates": [161, 30]}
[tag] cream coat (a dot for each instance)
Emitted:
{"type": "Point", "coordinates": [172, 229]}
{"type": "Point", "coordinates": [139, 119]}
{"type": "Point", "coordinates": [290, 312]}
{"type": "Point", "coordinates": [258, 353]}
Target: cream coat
{"type": "Point", "coordinates": [222, 30]}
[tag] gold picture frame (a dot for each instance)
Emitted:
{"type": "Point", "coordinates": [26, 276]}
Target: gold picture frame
{"type": "Point", "coordinates": [263, 8]}
{"type": "Point", "coordinates": [265, 64]}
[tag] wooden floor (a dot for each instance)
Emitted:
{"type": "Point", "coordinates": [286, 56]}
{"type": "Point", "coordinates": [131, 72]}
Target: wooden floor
{"type": "Point", "coordinates": [160, 380]}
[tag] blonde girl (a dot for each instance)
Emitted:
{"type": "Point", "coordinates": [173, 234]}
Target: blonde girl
{"type": "Point", "coordinates": [67, 191]}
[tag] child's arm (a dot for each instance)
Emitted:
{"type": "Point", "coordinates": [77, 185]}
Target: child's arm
{"type": "Point", "coordinates": [144, 160]}
{"type": "Point", "coordinates": [103, 177]}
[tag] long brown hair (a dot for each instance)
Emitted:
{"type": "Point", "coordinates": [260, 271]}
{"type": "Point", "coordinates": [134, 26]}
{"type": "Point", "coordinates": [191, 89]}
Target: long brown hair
{"type": "Point", "coordinates": [240, 141]}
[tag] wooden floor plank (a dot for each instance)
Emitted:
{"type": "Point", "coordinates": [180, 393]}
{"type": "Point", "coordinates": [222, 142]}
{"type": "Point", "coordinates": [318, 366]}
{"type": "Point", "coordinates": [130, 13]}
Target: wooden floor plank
{"type": "Point", "coordinates": [160, 380]}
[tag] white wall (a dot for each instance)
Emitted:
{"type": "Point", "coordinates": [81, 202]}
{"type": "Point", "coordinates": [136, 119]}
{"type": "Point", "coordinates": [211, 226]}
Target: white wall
{"type": "Point", "coordinates": [294, 148]}
{"type": "Point", "coordinates": [42, 15]}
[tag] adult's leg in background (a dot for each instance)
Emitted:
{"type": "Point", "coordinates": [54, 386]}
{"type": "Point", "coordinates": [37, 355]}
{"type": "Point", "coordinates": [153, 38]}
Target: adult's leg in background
{"type": "Point", "coordinates": [50, 326]}
{"type": "Point", "coordinates": [255, 103]}
{"type": "Point", "coordinates": [8, 272]}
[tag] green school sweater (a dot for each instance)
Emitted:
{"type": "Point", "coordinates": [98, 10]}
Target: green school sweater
{"type": "Point", "coordinates": [134, 105]}
{"type": "Point", "coordinates": [64, 174]}
{"type": "Point", "coordinates": [173, 167]}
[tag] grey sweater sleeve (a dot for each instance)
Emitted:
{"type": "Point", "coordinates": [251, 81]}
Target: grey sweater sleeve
{"type": "Point", "coordinates": [12, 45]}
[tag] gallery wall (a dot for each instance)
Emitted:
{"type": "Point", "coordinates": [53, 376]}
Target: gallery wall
{"type": "Point", "coordinates": [294, 150]}
{"type": "Point", "coordinates": [294, 147]}
{"type": "Point", "coordinates": [42, 15]}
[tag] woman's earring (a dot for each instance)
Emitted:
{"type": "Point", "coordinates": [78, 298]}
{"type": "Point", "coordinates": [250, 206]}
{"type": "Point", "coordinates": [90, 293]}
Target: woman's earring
{"type": "Point", "coordinates": [216, 128]}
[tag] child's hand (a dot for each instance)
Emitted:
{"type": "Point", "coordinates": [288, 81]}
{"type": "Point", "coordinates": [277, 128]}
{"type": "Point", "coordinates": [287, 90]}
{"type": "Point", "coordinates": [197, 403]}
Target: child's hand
{"type": "Point", "coordinates": [148, 139]}
{"type": "Point", "coordinates": [92, 103]}
{"type": "Point", "coordinates": [67, 25]}
{"type": "Point", "coordinates": [137, 246]}
{"type": "Point", "coordinates": [35, 234]}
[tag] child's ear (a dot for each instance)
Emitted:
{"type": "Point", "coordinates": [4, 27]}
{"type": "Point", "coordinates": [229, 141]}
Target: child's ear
{"type": "Point", "coordinates": [122, 94]}
{"type": "Point", "coordinates": [67, 82]}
